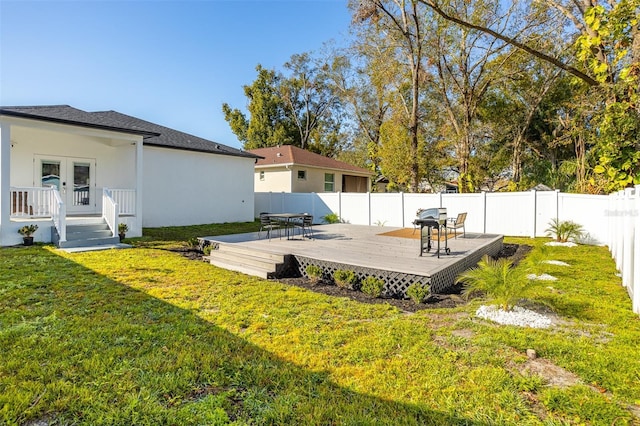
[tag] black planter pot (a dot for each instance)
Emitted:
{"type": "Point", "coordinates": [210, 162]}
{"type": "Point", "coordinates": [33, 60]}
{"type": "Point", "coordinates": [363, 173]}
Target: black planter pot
{"type": "Point", "coordinates": [121, 237]}
{"type": "Point", "coordinates": [27, 241]}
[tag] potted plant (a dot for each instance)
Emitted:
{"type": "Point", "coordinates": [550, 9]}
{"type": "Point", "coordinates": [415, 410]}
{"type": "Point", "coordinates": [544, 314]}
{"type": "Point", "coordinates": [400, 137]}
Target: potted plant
{"type": "Point", "coordinates": [122, 230]}
{"type": "Point", "coordinates": [27, 232]}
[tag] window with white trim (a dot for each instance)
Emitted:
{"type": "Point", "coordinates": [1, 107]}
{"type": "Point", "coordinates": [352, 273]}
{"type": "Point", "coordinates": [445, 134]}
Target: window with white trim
{"type": "Point", "coordinates": [329, 179]}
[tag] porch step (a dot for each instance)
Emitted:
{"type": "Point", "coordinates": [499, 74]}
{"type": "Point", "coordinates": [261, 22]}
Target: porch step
{"type": "Point", "coordinates": [94, 233]}
{"type": "Point", "coordinates": [248, 261]}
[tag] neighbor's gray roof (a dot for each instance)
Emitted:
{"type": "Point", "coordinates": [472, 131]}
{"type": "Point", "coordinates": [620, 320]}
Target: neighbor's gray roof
{"type": "Point", "coordinates": [153, 134]}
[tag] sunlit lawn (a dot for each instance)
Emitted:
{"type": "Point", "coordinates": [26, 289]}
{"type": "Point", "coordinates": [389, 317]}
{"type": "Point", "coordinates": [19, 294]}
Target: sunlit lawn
{"type": "Point", "coordinates": [145, 336]}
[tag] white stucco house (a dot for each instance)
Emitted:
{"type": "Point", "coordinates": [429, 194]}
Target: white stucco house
{"type": "Point", "coordinates": [63, 168]}
{"type": "Point", "coordinates": [287, 168]}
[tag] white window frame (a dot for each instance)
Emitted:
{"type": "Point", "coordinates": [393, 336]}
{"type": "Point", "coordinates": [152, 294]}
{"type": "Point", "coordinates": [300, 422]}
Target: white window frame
{"type": "Point", "coordinates": [331, 182]}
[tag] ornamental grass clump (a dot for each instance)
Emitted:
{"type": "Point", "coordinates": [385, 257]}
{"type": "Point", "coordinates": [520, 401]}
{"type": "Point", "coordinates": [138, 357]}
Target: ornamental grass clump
{"type": "Point", "coordinates": [498, 279]}
{"type": "Point", "coordinates": [345, 279]}
{"type": "Point", "coordinates": [372, 286]}
{"type": "Point", "coordinates": [314, 273]}
{"type": "Point", "coordinates": [418, 292]}
{"type": "Point", "coordinates": [331, 218]}
{"type": "Point", "coordinates": [564, 231]}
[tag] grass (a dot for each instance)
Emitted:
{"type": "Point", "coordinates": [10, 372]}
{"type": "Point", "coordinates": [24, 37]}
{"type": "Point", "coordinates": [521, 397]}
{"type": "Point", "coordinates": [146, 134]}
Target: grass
{"type": "Point", "coordinates": [145, 336]}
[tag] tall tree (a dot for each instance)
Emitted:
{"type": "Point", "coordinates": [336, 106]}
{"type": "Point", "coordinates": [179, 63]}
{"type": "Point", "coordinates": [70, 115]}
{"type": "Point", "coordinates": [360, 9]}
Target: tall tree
{"type": "Point", "coordinates": [607, 60]}
{"type": "Point", "coordinates": [268, 124]}
{"type": "Point", "coordinates": [309, 100]}
{"type": "Point", "coordinates": [403, 23]}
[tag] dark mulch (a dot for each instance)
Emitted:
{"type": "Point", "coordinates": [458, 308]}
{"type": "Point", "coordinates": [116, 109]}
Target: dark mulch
{"type": "Point", "coordinates": [451, 299]}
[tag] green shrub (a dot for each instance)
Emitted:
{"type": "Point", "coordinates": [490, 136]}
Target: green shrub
{"type": "Point", "coordinates": [206, 250]}
{"type": "Point", "coordinates": [314, 273]}
{"type": "Point", "coordinates": [498, 279]}
{"type": "Point", "coordinates": [418, 292]}
{"type": "Point", "coordinates": [345, 279]}
{"type": "Point", "coordinates": [564, 231]}
{"type": "Point", "coordinates": [372, 286]}
{"type": "Point", "coordinates": [331, 218]}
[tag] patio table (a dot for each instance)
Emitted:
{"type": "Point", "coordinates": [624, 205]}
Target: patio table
{"type": "Point", "coordinates": [287, 218]}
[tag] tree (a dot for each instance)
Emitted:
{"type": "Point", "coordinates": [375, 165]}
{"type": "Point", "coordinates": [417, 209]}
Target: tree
{"type": "Point", "coordinates": [268, 124]}
{"type": "Point", "coordinates": [309, 101]}
{"type": "Point", "coordinates": [607, 43]}
{"type": "Point", "coordinates": [402, 21]}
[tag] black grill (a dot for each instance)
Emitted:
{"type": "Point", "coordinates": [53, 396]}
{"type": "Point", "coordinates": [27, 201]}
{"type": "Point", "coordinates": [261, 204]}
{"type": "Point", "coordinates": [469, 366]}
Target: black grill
{"type": "Point", "coordinates": [433, 218]}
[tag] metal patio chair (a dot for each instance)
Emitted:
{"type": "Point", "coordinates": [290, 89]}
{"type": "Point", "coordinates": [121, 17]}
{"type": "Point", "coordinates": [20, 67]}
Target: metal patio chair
{"type": "Point", "coordinates": [268, 225]}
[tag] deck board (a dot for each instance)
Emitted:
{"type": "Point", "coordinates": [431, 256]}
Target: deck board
{"type": "Point", "coordinates": [362, 246]}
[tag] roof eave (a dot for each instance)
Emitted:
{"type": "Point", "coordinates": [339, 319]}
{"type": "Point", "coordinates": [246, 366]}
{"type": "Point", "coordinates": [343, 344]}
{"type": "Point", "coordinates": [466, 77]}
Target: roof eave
{"type": "Point", "coordinates": [17, 114]}
{"type": "Point", "coordinates": [179, 148]}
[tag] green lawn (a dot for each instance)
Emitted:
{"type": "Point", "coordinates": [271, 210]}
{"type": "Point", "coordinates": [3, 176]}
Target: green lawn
{"type": "Point", "coordinates": [145, 336]}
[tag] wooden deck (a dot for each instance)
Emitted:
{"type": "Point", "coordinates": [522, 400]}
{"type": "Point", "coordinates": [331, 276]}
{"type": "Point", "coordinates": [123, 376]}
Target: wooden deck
{"type": "Point", "coordinates": [363, 249]}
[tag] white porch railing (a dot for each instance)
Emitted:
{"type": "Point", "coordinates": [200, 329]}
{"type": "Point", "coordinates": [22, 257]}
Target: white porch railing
{"type": "Point", "coordinates": [59, 214]}
{"type": "Point", "coordinates": [30, 201]}
{"type": "Point", "coordinates": [126, 200]}
{"type": "Point", "coordinates": [110, 211]}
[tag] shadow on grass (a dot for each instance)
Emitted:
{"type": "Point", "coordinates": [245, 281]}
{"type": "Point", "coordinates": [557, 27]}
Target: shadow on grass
{"type": "Point", "coordinates": [80, 348]}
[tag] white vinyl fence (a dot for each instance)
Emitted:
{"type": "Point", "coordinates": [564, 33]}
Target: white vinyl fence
{"type": "Point", "coordinates": [612, 220]}
{"type": "Point", "coordinates": [624, 239]}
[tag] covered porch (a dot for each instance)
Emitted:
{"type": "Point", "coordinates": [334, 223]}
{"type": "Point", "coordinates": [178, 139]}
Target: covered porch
{"type": "Point", "coordinates": [55, 172]}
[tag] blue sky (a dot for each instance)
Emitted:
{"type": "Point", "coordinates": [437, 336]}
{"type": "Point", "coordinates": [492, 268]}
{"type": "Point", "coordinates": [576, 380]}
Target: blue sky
{"type": "Point", "coordinates": [170, 62]}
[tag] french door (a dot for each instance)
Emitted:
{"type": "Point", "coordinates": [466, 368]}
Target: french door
{"type": "Point", "coordinates": [73, 177]}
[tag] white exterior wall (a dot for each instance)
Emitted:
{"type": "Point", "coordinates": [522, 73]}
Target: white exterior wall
{"type": "Point", "coordinates": [115, 161]}
{"type": "Point", "coordinates": [191, 188]}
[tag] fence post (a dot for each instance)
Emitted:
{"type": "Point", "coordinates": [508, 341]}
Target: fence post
{"type": "Point", "coordinates": [627, 238]}
{"type": "Point", "coordinates": [534, 193]}
{"type": "Point", "coordinates": [402, 207]}
{"type": "Point", "coordinates": [635, 283]}
{"type": "Point", "coordinates": [369, 206]}
{"type": "Point", "coordinates": [484, 212]}
{"type": "Point", "coordinates": [340, 205]}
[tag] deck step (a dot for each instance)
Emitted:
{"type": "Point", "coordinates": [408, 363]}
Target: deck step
{"type": "Point", "coordinates": [245, 251]}
{"type": "Point", "coordinates": [239, 267]}
{"type": "Point", "coordinates": [248, 261]}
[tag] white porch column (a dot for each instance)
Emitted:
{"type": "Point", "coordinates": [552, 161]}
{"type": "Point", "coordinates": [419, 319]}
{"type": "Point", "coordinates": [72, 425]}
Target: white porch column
{"type": "Point", "coordinates": [5, 180]}
{"type": "Point", "coordinates": [139, 184]}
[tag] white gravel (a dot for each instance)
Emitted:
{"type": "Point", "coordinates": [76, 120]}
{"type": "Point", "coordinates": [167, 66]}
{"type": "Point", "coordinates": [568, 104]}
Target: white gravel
{"type": "Point", "coordinates": [543, 277]}
{"type": "Point", "coordinates": [518, 316]}
{"type": "Point", "coordinates": [556, 262]}
{"type": "Point", "coordinates": [558, 244]}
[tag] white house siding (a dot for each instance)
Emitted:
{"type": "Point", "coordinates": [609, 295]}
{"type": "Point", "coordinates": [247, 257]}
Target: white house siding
{"type": "Point", "coordinates": [115, 159]}
{"type": "Point", "coordinates": [191, 188]}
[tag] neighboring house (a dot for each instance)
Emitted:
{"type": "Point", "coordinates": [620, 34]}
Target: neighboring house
{"type": "Point", "coordinates": [288, 168]}
{"type": "Point", "coordinates": [60, 165]}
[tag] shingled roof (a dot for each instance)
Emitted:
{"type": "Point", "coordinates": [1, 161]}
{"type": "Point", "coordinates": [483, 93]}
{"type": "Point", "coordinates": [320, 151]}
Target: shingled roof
{"type": "Point", "coordinates": [289, 154]}
{"type": "Point", "coordinates": [153, 134]}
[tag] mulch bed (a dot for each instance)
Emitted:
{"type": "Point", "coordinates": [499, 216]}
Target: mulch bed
{"type": "Point", "coordinates": [453, 298]}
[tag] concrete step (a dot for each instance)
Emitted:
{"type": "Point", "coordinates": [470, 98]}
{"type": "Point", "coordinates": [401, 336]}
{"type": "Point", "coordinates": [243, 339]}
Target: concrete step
{"type": "Point", "coordinates": [88, 232]}
{"type": "Point", "coordinates": [245, 251]}
{"type": "Point", "coordinates": [88, 242]}
{"type": "Point", "coordinates": [240, 267]}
